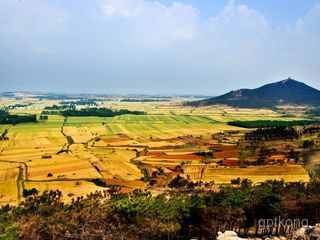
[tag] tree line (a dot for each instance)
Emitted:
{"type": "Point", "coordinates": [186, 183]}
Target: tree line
{"type": "Point", "coordinates": [272, 133]}
{"type": "Point", "coordinates": [97, 112]}
{"type": "Point", "coordinates": [271, 123]}
{"type": "Point", "coordinates": [7, 118]}
{"type": "Point", "coordinates": [176, 214]}
{"type": "Point", "coordinates": [315, 112]}
{"type": "Point", "coordinates": [143, 100]}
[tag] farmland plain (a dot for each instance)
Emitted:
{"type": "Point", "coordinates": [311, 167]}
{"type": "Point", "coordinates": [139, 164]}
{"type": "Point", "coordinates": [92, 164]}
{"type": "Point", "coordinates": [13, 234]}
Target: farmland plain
{"type": "Point", "coordinates": [70, 152]}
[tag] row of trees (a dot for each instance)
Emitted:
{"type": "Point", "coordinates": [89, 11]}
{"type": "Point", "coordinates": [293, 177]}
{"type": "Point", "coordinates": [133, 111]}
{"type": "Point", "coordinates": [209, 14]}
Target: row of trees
{"type": "Point", "coordinates": [271, 123]}
{"type": "Point", "coordinates": [99, 112]}
{"type": "Point", "coordinates": [171, 215]}
{"type": "Point", "coordinates": [59, 107]}
{"type": "Point", "coordinates": [80, 102]}
{"type": "Point", "coordinates": [66, 105]}
{"type": "Point", "coordinates": [315, 112]}
{"type": "Point", "coordinates": [144, 100]}
{"type": "Point", "coordinates": [6, 118]}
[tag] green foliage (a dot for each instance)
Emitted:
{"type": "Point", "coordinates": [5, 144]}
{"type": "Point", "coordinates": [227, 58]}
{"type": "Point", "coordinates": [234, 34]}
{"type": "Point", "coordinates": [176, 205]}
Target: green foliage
{"type": "Point", "coordinates": [99, 112]}
{"type": "Point", "coordinates": [171, 215]}
{"type": "Point", "coordinates": [144, 100]}
{"type": "Point", "coordinates": [206, 155]}
{"type": "Point", "coordinates": [315, 112]}
{"type": "Point", "coordinates": [271, 123]}
{"type": "Point", "coordinates": [272, 133]}
{"type": "Point", "coordinates": [99, 182]}
{"type": "Point", "coordinates": [307, 143]}
{"type": "Point", "coordinates": [80, 102]}
{"type": "Point", "coordinates": [70, 140]}
{"type": "Point", "coordinates": [29, 192]}
{"type": "Point", "coordinates": [56, 107]}
{"type": "Point", "coordinates": [6, 118]}
{"type": "Point", "coordinates": [43, 117]}
{"type": "Point", "coordinates": [236, 181]}
{"type": "Point", "coordinates": [4, 135]}
{"type": "Point", "coordinates": [11, 233]}
{"type": "Point", "coordinates": [180, 182]}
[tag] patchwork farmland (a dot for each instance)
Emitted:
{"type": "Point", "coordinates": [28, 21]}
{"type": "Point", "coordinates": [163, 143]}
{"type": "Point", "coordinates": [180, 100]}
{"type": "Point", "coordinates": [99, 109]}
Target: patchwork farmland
{"type": "Point", "coordinates": [132, 151]}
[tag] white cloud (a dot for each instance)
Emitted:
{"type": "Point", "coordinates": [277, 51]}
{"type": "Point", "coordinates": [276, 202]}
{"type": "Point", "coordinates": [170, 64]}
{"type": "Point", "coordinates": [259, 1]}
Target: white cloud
{"type": "Point", "coordinates": [153, 23]}
{"type": "Point", "coordinates": [32, 17]}
{"type": "Point", "coordinates": [311, 21]}
{"type": "Point", "coordinates": [238, 18]}
{"type": "Point", "coordinates": [124, 8]}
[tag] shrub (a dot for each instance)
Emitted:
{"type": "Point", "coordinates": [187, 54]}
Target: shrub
{"type": "Point", "coordinates": [29, 192]}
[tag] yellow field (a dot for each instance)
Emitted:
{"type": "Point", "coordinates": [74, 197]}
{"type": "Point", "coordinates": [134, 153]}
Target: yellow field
{"type": "Point", "coordinates": [289, 173]}
{"type": "Point", "coordinates": [70, 189]}
{"type": "Point", "coordinates": [8, 192]}
{"type": "Point", "coordinates": [116, 164]}
{"type": "Point", "coordinates": [61, 166]}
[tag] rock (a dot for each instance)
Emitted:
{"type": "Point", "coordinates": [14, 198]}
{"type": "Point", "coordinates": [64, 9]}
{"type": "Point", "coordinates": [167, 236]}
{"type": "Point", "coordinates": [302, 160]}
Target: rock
{"type": "Point", "coordinates": [276, 238]}
{"type": "Point", "coordinates": [307, 233]}
{"type": "Point", "coordinates": [314, 233]}
{"type": "Point", "coordinates": [300, 234]}
{"type": "Point", "coordinates": [228, 235]}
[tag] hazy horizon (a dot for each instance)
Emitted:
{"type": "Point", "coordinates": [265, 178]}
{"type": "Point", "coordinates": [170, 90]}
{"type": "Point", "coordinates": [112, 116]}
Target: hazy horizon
{"type": "Point", "coordinates": [133, 94]}
{"type": "Point", "coordinates": [206, 47]}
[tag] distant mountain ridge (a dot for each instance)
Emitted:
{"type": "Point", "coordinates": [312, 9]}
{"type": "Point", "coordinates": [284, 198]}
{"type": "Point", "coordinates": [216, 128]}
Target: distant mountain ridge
{"type": "Point", "coordinates": [288, 91]}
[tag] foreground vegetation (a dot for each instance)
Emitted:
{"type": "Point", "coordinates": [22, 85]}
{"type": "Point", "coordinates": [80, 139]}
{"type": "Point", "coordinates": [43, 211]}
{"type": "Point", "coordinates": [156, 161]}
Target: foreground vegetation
{"type": "Point", "coordinates": [172, 215]}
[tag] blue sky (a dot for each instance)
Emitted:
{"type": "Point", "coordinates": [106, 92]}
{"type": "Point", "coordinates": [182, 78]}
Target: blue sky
{"type": "Point", "coordinates": [141, 46]}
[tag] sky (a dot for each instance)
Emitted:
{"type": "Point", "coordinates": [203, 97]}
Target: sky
{"type": "Point", "coordinates": [203, 47]}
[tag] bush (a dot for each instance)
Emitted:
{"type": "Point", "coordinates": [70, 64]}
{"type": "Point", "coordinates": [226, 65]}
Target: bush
{"type": "Point", "coordinates": [29, 192]}
{"type": "Point", "coordinates": [179, 182]}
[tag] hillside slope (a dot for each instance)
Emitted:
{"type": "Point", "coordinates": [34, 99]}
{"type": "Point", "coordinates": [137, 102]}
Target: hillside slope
{"type": "Point", "coordinates": [287, 91]}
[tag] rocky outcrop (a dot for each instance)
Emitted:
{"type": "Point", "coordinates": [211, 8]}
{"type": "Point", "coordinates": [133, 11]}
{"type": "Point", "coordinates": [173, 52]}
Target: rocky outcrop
{"type": "Point", "coordinates": [304, 233]}
{"type": "Point", "coordinates": [231, 235]}
{"type": "Point", "coordinates": [228, 235]}
{"type": "Point", "coordinates": [307, 233]}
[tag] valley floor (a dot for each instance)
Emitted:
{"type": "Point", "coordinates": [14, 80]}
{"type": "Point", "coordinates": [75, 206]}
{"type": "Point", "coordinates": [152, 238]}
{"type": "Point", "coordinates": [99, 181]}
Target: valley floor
{"type": "Point", "coordinates": [67, 153]}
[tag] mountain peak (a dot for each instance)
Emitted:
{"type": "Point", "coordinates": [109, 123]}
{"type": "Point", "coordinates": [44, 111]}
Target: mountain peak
{"type": "Point", "coordinates": [288, 91]}
{"type": "Point", "coordinates": [289, 80]}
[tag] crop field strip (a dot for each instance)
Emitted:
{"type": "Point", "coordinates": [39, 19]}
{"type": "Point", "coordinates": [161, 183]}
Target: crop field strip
{"type": "Point", "coordinates": [290, 173]}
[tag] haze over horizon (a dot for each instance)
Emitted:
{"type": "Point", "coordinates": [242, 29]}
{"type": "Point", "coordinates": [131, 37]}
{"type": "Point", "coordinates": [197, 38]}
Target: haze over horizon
{"type": "Point", "coordinates": [204, 47]}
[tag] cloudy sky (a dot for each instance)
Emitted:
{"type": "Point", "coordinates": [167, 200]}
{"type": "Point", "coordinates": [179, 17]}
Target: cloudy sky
{"type": "Point", "coordinates": [163, 46]}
